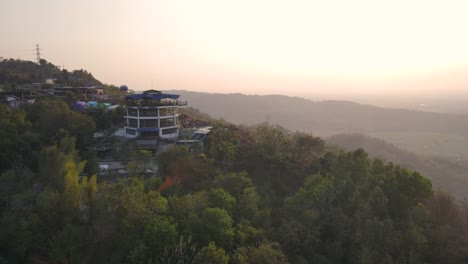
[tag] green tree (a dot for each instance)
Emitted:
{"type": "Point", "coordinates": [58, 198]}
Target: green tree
{"type": "Point", "coordinates": [223, 144]}
{"type": "Point", "coordinates": [217, 227]}
{"type": "Point", "coordinates": [53, 162]}
{"type": "Point", "coordinates": [263, 253]}
{"type": "Point", "coordinates": [246, 234]}
{"type": "Point", "coordinates": [16, 141]}
{"type": "Point", "coordinates": [210, 254]}
{"type": "Point", "coordinates": [187, 210]}
{"type": "Point", "coordinates": [168, 160]}
{"type": "Point", "coordinates": [448, 240]}
{"type": "Point", "coordinates": [306, 149]}
{"type": "Point", "coordinates": [221, 199]}
{"type": "Point", "coordinates": [159, 233]}
{"type": "Point", "coordinates": [50, 117]}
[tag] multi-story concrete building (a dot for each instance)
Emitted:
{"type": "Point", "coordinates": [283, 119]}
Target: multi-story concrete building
{"type": "Point", "coordinates": [152, 115]}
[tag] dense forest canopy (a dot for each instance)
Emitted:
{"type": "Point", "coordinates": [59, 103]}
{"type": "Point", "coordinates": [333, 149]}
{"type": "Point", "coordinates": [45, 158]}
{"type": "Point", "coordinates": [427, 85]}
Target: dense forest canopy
{"type": "Point", "coordinates": [262, 195]}
{"type": "Point", "coordinates": [445, 173]}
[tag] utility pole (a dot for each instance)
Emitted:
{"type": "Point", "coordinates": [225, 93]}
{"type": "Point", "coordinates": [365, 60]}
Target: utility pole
{"type": "Point", "coordinates": [38, 54]}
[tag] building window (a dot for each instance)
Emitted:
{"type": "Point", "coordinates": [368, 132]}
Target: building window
{"type": "Point", "coordinates": [132, 112]}
{"type": "Point", "coordinates": [129, 131]}
{"type": "Point", "coordinates": [167, 122]}
{"type": "Point", "coordinates": [169, 131]}
{"type": "Point", "coordinates": [148, 112]}
{"type": "Point", "coordinates": [167, 111]}
{"type": "Point", "coordinates": [149, 123]}
{"type": "Point", "coordinates": [132, 122]}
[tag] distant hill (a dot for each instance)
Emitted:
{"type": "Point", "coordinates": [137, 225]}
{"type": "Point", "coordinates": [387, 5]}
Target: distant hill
{"type": "Point", "coordinates": [421, 132]}
{"type": "Point", "coordinates": [14, 73]}
{"type": "Point", "coordinates": [444, 173]}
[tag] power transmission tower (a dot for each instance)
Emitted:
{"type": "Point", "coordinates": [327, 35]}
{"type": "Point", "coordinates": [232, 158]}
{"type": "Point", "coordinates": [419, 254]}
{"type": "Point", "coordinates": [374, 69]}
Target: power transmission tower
{"type": "Point", "coordinates": [38, 54]}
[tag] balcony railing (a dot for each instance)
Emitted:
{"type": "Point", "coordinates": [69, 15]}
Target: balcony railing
{"type": "Point", "coordinates": [149, 112]}
{"type": "Point", "coordinates": [153, 103]}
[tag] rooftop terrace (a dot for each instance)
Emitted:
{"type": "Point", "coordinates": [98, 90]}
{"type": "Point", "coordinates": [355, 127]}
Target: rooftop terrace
{"type": "Point", "coordinates": [154, 98]}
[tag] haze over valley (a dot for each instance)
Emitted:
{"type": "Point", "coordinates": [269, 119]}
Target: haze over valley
{"type": "Point", "coordinates": [421, 132]}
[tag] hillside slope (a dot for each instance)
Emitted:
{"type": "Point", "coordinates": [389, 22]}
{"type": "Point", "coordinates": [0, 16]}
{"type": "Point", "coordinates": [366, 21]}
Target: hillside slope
{"type": "Point", "coordinates": [18, 72]}
{"type": "Point", "coordinates": [444, 173]}
{"type": "Point", "coordinates": [421, 132]}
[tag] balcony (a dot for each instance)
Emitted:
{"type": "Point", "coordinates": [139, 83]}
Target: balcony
{"type": "Point", "coordinates": [154, 103]}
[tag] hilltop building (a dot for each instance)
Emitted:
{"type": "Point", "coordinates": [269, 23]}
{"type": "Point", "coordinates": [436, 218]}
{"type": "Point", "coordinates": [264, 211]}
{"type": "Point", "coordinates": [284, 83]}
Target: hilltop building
{"type": "Point", "coordinates": [152, 116]}
{"type": "Point", "coordinates": [84, 93]}
{"type": "Point", "coordinates": [197, 141]}
{"type": "Point", "coordinates": [14, 102]}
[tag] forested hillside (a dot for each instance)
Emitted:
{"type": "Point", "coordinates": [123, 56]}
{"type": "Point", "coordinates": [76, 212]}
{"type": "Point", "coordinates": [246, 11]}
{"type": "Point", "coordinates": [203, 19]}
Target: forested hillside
{"type": "Point", "coordinates": [264, 195]}
{"type": "Point", "coordinates": [451, 175]}
{"type": "Point", "coordinates": [14, 73]}
{"type": "Point", "coordinates": [420, 132]}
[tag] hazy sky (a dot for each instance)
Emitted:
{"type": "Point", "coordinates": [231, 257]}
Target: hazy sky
{"type": "Point", "coordinates": [252, 46]}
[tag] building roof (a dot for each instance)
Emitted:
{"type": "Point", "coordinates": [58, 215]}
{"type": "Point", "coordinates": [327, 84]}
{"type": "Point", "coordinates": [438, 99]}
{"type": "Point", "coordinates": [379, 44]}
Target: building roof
{"type": "Point", "coordinates": [155, 96]}
{"type": "Point", "coordinates": [77, 88]}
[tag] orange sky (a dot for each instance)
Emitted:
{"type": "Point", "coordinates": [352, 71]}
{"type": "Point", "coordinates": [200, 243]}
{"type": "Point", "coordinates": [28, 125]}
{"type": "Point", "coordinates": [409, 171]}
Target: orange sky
{"type": "Point", "coordinates": [291, 47]}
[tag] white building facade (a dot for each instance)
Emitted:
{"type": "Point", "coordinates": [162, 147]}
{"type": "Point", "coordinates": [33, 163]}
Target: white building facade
{"type": "Point", "coordinates": [152, 115]}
